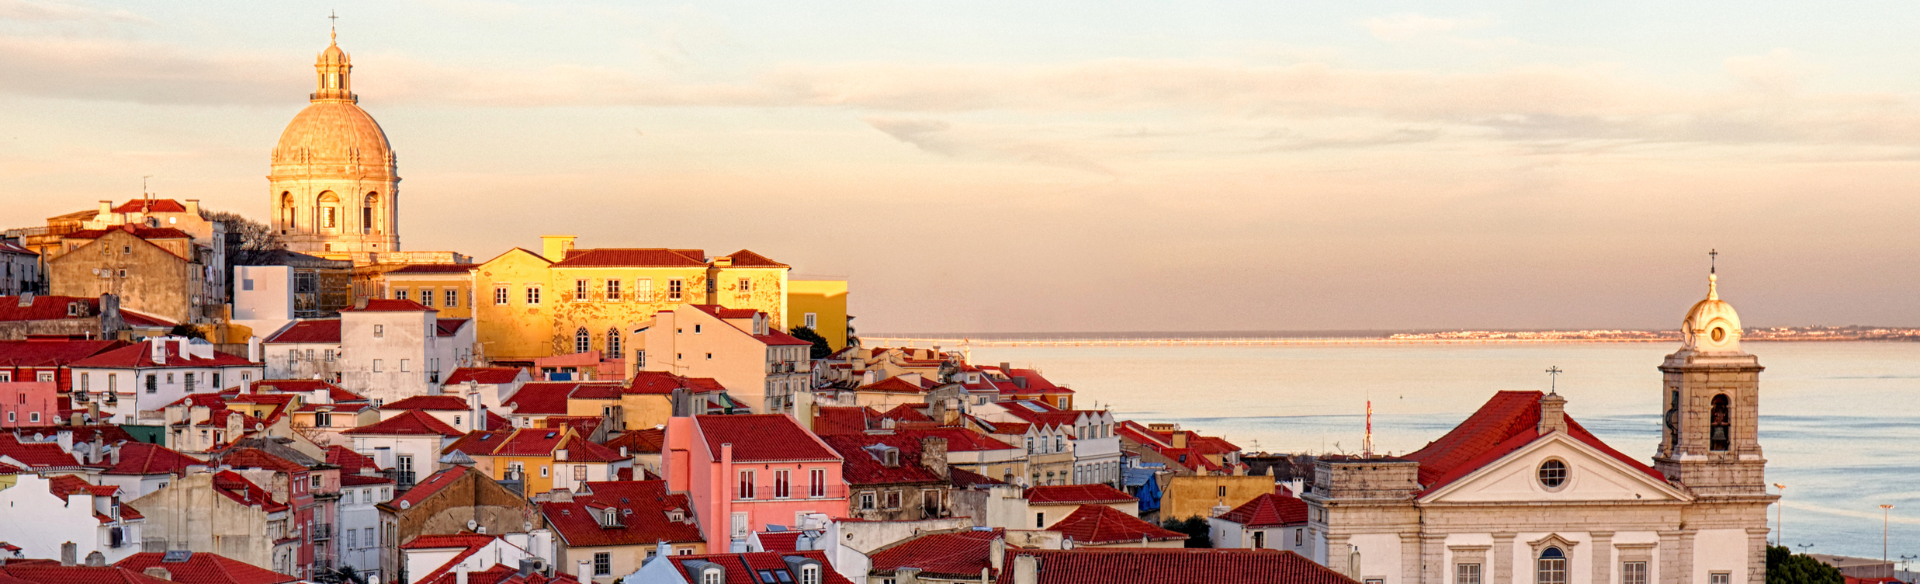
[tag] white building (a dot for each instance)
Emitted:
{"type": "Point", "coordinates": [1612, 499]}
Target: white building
{"type": "Point", "coordinates": [134, 384]}
{"type": "Point", "coordinates": [19, 270]}
{"type": "Point", "coordinates": [1520, 492]}
{"type": "Point", "coordinates": [1087, 435]}
{"type": "Point", "coordinates": [42, 513]}
{"type": "Point", "coordinates": [1271, 522]}
{"type": "Point", "coordinates": [409, 443]}
{"type": "Point", "coordinates": [359, 523]}
{"type": "Point", "coordinates": [386, 350]}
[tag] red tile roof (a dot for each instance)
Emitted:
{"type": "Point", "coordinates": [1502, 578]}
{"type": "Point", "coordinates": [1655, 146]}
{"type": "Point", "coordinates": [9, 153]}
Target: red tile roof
{"type": "Point", "coordinates": [448, 327]}
{"type": "Point", "coordinates": [308, 331]}
{"type": "Point", "coordinates": [862, 465]}
{"type": "Point", "coordinates": [633, 257]}
{"type": "Point", "coordinates": [1100, 524]}
{"type": "Point", "coordinates": [44, 308]}
{"type": "Point", "coordinates": [762, 438]}
{"type": "Point", "coordinates": [842, 420]}
{"type": "Point", "coordinates": [543, 397]}
{"type": "Point", "coordinates": [478, 442]}
{"type": "Point", "coordinates": [744, 567]}
{"type": "Point", "coordinates": [206, 568]}
{"type": "Point", "coordinates": [501, 574]}
{"type": "Point", "coordinates": [964, 478]}
{"type": "Point", "coordinates": [597, 391]}
{"type": "Point", "coordinates": [389, 305]}
{"type": "Point", "coordinates": [411, 423]}
{"type": "Point", "coordinates": [445, 541]}
{"type": "Point", "coordinates": [140, 232]}
{"type": "Point", "coordinates": [748, 259]}
{"type": "Point", "coordinates": [432, 403]}
{"type": "Point", "coordinates": [426, 488]}
{"type": "Point", "coordinates": [1076, 495]}
{"type": "Point", "coordinates": [141, 356]}
{"type": "Point", "coordinates": [1171, 566]}
{"type": "Point", "coordinates": [12, 248]}
{"type": "Point", "coordinates": [958, 439]}
{"type": "Point", "coordinates": [642, 507]}
{"type": "Point", "coordinates": [36, 455]}
{"type": "Point", "coordinates": [1268, 510]}
{"type": "Point", "coordinates": [1504, 424]}
{"type": "Point", "coordinates": [907, 413]}
{"type": "Point", "coordinates": [663, 383]}
{"type": "Point", "coordinates": [484, 375]}
{"type": "Point", "coordinates": [776, 338]}
{"type": "Point", "coordinates": [530, 442]}
{"type": "Point", "coordinates": [724, 313]}
{"type": "Point", "coordinates": [895, 385]}
{"type": "Point", "coordinates": [778, 541]}
{"type": "Point", "coordinates": [260, 459]}
{"type": "Point", "coordinates": [51, 572]}
{"type": "Point", "coordinates": [640, 441]}
{"type": "Point", "coordinates": [436, 269]}
{"type": "Point", "coordinates": [146, 205]}
{"type": "Point", "coordinates": [334, 392]}
{"type": "Point", "coordinates": [951, 555]}
{"type": "Point", "coordinates": [140, 458]}
{"type": "Point", "coordinates": [64, 486]}
{"type": "Point", "coordinates": [243, 491]}
{"type": "Point", "coordinates": [49, 353]}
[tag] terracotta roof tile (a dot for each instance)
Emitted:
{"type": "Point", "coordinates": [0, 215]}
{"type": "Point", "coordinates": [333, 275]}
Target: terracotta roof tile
{"type": "Point", "coordinates": [436, 269]}
{"type": "Point", "coordinates": [648, 440]}
{"type": "Point", "coordinates": [642, 507]}
{"type": "Point", "coordinates": [51, 572]}
{"type": "Point", "coordinates": [141, 356]}
{"type": "Point", "coordinates": [744, 567]}
{"type": "Point", "coordinates": [861, 464]}
{"type": "Point", "coordinates": [243, 491]}
{"type": "Point", "coordinates": [842, 420]}
{"type": "Point", "coordinates": [206, 568]}
{"type": "Point", "coordinates": [544, 397]}
{"type": "Point", "coordinates": [762, 438]}
{"type": "Point", "coordinates": [140, 458]}
{"type": "Point", "coordinates": [48, 353]}
{"type": "Point", "coordinates": [748, 259]}
{"type": "Point", "coordinates": [307, 331]}
{"type": "Point", "coordinates": [952, 555]}
{"type": "Point", "coordinates": [140, 232]}
{"type": "Point", "coordinates": [1268, 510]}
{"type": "Point", "coordinates": [1100, 524]}
{"type": "Point", "coordinates": [484, 375]}
{"type": "Point", "coordinates": [663, 383]}
{"type": "Point", "coordinates": [389, 305]}
{"type": "Point", "coordinates": [1076, 495]}
{"type": "Point", "coordinates": [257, 458]}
{"type": "Point", "coordinates": [146, 205]}
{"type": "Point", "coordinates": [432, 403]}
{"type": "Point", "coordinates": [633, 257]}
{"type": "Point", "coordinates": [411, 423]}
{"type": "Point", "coordinates": [426, 488]}
{"type": "Point", "coordinates": [37, 455]}
{"type": "Point", "coordinates": [448, 327]}
{"type": "Point", "coordinates": [1172, 566]}
{"type": "Point", "coordinates": [1508, 421]}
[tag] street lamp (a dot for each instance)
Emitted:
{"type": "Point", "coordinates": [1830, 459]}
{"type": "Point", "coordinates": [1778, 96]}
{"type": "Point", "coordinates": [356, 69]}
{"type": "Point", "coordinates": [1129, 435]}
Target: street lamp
{"type": "Point", "coordinates": [1886, 518]}
{"type": "Point", "coordinates": [1780, 515]}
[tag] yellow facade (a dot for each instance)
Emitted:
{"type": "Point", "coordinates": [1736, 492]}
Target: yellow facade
{"type": "Point", "coordinates": [596, 302]}
{"type": "Point", "coordinates": [824, 302]}
{"type": "Point", "coordinates": [1195, 496]}
{"type": "Point", "coordinates": [449, 293]}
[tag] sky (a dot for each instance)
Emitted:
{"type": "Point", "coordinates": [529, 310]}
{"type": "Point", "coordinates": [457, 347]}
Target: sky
{"type": "Point", "coordinates": [1063, 166]}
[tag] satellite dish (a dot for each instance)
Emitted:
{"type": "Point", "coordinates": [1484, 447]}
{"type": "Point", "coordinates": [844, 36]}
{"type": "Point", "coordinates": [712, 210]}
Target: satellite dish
{"type": "Point", "coordinates": [472, 524]}
{"type": "Point", "coordinates": [526, 526]}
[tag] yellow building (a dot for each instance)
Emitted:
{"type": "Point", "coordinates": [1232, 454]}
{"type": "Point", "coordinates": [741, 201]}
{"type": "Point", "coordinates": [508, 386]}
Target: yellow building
{"type": "Point", "coordinates": [544, 458]}
{"type": "Point", "coordinates": [820, 305]}
{"type": "Point", "coordinates": [1197, 496]}
{"type": "Point", "coordinates": [444, 287]}
{"type": "Point", "coordinates": [565, 300]}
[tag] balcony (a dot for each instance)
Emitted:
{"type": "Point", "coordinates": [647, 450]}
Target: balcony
{"type": "Point", "coordinates": [795, 492]}
{"type": "Point", "coordinates": [322, 531]}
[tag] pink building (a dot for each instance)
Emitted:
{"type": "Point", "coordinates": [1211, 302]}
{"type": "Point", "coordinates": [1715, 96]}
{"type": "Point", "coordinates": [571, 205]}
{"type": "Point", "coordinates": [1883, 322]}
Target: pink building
{"type": "Point", "coordinates": [28, 403]}
{"type": "Point", "coordinates": [744, 473]}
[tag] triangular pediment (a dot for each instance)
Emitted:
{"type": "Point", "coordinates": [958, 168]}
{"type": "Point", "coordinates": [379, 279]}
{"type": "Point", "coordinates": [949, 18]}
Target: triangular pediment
{"type": "Point", "coordinates": [1591, 475]}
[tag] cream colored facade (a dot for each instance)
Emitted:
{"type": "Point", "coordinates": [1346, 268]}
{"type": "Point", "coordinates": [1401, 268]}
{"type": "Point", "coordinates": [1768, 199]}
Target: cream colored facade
{"type": "Point", "coordinates": [1560, 509]}
{"type": "Point", "coordinates": [335, 184]}
{"type": "Point", "coordinates": [760, 367]}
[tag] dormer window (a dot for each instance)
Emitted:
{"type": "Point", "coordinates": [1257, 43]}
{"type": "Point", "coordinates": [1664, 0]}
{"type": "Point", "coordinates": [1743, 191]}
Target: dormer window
{"type": "Point", "coordinates": [712, 575]}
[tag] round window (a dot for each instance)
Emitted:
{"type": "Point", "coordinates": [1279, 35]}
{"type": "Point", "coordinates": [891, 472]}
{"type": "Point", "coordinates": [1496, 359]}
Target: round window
{"type": "Point", "coordinates": [1553, 473]}
{"type": "Point", "coordinates": [1719, 334]}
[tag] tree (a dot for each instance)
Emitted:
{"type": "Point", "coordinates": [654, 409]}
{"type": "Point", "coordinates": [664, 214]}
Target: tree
{"type": "Point", "coordinates": [821, 348]}
{"type": "Point", "coordinates": [1199, 534]}
{"type": "Point", "coordinates": [1786, 567]}
{"type": "Point", "coordinates": [184, 330]}
{"type": "Point", "coordinates": [852, 341]}
{"type": "Point", "coordinates": [249, 242]}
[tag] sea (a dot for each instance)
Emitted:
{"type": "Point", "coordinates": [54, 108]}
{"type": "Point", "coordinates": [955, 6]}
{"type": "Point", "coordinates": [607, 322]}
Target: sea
{"type": "Point", "coordinates": [1839, 421]}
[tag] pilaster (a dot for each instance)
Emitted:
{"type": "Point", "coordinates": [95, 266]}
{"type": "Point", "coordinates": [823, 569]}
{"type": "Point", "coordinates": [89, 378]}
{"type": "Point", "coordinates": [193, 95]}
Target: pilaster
{"type": "Point", "coordinates": [1601, 555]}
{"type": "Point", "coordinates": [1433, 558]}
{"type": "Point", "coordinates": [1340, 555]}
{"type": "Point", "coordinates": [1502, 553]}
{"type": "Point", "coordinates": [1757, 555]}
{"type": "Point", "coordinates": [1669, 559]}
{"type": "Point", "coordinates": [1410, 557]}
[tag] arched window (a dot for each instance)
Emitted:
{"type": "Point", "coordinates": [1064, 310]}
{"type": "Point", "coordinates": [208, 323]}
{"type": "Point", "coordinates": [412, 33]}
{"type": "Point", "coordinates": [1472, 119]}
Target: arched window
{"type": "Point", "coordinates": [1552, 567]}
{"type": "Point", "coordinates": [366, 213]}
{"type": "Point", "coordinates": [286, 210]}
{"type": "Point", "coordinates": [1720, 428]}
{"type": "Point", "coordinates": [613, 341]}
{"type": "Point", "coordinates": [582, 342]}
{"type": "Point", "coordinates": [329, 210]}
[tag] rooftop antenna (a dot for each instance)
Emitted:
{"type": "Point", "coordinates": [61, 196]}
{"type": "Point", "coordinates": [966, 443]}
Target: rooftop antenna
{"type": "Point", "coordinates": [1553, 379]}
{"type": "Point", "coordinates": [1366, 442]}
{"type": "Point", "coordinates": [143, 187]}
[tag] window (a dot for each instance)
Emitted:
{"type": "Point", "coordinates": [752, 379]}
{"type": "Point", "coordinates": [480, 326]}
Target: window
{"type": "Point", "coordinates": [817, 485]}
{"type": "Point", "coordinates": [246, 284]}
{"type": "Point", "coordinates": [327, 218]}
{"type": "Point", "coordinates": [710, 576]}
{"type": "Point", "coordinates": [582, 342]}
{"type": "Point", "coordinates": [189, 382]}
{"type": "Point", "coordinates": [739, 524]}
{"type": "Point", "coordinates": [452, 297]}
{"type": "Point", "coordinates": [1721, 425]}
{"type": "Point", "coordinates": [1553, 473]}
{"type": "Point", "coordinates": [866, 500]}
{"type": "Point", "coordinates": [111, 385]}
{"type": "Point", "coordinates": [33, 417]}
{"type": "Point", "coordinates": [376, 365]}
{"type": "Point", "coordinates": [613, 341]}
{"type": "Point", "coordinates": [543, 471]}
{"type": "Point", "coordinates": [315, 481]}
{"type": "Point", "coordinates": [580, 473]}
{"type": "Point", "coordinates": [153, 383]}
{"type": "Point", "coordinates": [83, 381]}
{"type": "Point", "coordinates": [426, 297]}
{"type": "Point", "coordinates": [1223, 490]}
{"type": "Point", "coordinates": [1630, 573]}
{"type": "Point", "coordinates": [893, 499]}
{"type": "Point", "coordinates": [1260, 540]}
{"type": "Point", "coordinates": [1299, 537]}
{"type": "Point", "coordinates": [1551, 568]}
{"type": "Point", "coordinates": [351, 543]}
{"type": "Point", "coordinates": [809, 574]}
{"type": "Point", "coordinates": [746, 286]}
{"type": "Point", "coordinates": [533, 295]}
{"type": "Point", "coordinates": [1470, 574]}
{"type": "Point", "coordinates": [47, 377]}
{"type": "Point", "coordinates": [746, 485]}
{"type": "Point", "coordinates": [323, 420]}
{"type": "Point", "coordinates": [1029, 445]}
{"type": "Point", "coordinates": [1719, 578]}
{"type": "Point", "coordinates": [696, 329]}
{"type": "Point", "coordinates": [781, 487]}
{"type": "Point", "coordinates": [579, 290]}
{"type": "Point", "coordinates": [602, 564]}
{"type": "Point", "coordinates": [613, 290]}
{"type": "Point", "coordinates": [403, 365]}
{"type": "Point", "coordinates": [500, 295]}
{"type": "Point", "coordinates": [813, 320]}
{"type": "Point", "coordinates": [673, 289]}
{"type": "Point", "coordinates": [400, 294]}
{"type": "Point", "coordinates": [379, 331]}
{"type": "Point", "coordinates": [1040, 520]}
{"type": "Point", "coordinates": [640, 359]}
{"type": "Point", "coordinates": [346, 497]}
{"type": "Point", "coordinates": [329, 355]}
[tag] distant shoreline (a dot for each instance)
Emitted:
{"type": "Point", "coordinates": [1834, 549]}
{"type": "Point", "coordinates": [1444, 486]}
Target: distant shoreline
{"type": "Point", "coordinates": [1260, 338]}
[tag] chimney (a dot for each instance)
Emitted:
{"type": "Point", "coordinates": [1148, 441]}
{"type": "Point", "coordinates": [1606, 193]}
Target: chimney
{"type": "Point", "coordinates": [933, 455]}
{"type": "Point", "coordinates": [1179, 439]}
{"type": "Point", "coordinates": [682, 401]}
{"type": "Point", "coordinates": [93, 454]}
{"type": "Point", "coordinates": [1026, 569]}
{"type": "Point", "coordinates": [158, 572]}
{"type": "Point", "coordinates": [997, 553]}
{"type": "Point", "coordinates": [193, 206]}
{"type": "Point", "coordinates": [95, 559]}
{"type": "Point", "coordinates": [951, 414]}
{"type": "Point", "coordinates": [253, 354]}
{"type": "Point", "coordinates": [584, 571]}
{"type": "Point", "coordinates": [234, 426]}
{"type": "Point", "coordinates": [662, 549]}
{"type": "Point", "coordinates": [116, 456]}
{"type": "Point", "coordinates": [106, 208]}
{"type": "Point", "coordinates": [69, 554]}
{"type": "Point", "coordinates": [1553, 413]}
{"type": "Point", "coordinates": [159, 350]}
{"type": "Point", "coordinates": [460, 574]}
{"type": "Point", "coordinates": [479, 412]}
{"type": "Point", "coordinates": [555, 248]}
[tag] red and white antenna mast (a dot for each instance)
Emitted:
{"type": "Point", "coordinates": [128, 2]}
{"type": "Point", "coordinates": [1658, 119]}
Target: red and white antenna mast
{"type": "Point", "coordinates": [1366, 442]}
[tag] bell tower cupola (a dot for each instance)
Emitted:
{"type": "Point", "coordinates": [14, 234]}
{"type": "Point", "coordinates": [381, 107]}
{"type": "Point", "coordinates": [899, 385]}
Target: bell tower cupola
{"type": "Point", "coordinates": [1711, 396]}
{"type": "Point", "coordinates": [335, 70]}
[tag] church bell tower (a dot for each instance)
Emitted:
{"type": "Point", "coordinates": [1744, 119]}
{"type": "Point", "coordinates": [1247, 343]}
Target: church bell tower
{"type": "Point", "coordinates": [1709, 440]}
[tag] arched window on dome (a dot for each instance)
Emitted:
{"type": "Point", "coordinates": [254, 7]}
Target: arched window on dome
{"type": "Point", "coordinates": [582, 342]}
{"type": "Point", "coordinates": [1720, 427]}
{"type": "Point", "coordinates": [366, 213]}
{"type": "Point", "coordinates": [329, 211]}
{"type": "Point", "coordinates": [286, 211]}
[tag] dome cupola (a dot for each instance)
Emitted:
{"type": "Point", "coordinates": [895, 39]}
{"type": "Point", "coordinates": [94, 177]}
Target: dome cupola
{"type": "Point", "coordinates": [1712, 325]}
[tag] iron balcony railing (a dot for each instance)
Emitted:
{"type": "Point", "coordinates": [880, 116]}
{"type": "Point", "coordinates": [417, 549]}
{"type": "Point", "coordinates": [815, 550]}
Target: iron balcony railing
{"type": "Point", "coordinates": [322, 531]}
{"type": "Point", "coordinates": [769, 492]}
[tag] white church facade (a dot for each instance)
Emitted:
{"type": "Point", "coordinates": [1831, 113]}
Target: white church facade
{"type": "Point", "coordinates": [1520, 493]}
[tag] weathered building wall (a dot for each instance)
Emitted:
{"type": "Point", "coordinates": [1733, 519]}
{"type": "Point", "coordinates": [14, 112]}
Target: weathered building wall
{"type": "Point", "coordinates": [1195, 496]}
{"type": "Point", "coordinates": [470, 498]}
{"type": "Point", "coordinates": [189, 515]}
{"type": "Point", "coordinates": [146, 277]}
{"type": "Point", "coordinates": [516, 329]}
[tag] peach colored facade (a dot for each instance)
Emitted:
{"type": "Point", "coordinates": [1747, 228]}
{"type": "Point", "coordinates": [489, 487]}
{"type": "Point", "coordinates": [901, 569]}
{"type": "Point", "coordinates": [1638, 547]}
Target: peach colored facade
{"type": "Point", "coordinates": [760, 366]}
{"type": "Point", "coordinates": [714, 484]}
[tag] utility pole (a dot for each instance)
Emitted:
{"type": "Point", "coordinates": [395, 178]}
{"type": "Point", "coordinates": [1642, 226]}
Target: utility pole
{"type": "Point", "coordinates": [1780, 516]}
{"type": "Point", "coordinates": [1886, 519]}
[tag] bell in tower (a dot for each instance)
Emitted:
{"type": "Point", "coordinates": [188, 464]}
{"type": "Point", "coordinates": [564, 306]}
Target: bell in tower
{"type": "Point", "coordinates": [1710, 436]}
